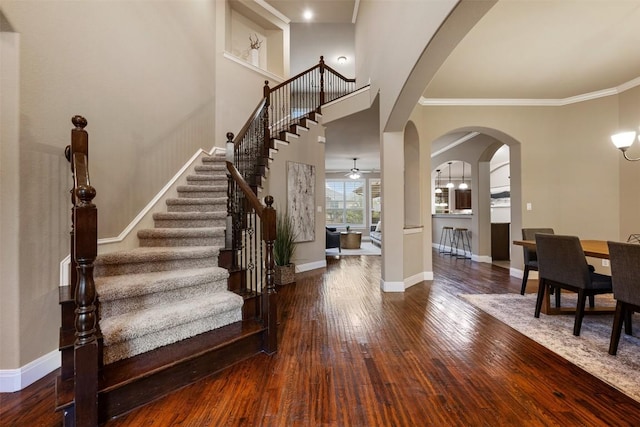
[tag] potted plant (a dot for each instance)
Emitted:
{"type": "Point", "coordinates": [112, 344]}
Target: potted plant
{"type": "Point", "coordinates": [283, 249]}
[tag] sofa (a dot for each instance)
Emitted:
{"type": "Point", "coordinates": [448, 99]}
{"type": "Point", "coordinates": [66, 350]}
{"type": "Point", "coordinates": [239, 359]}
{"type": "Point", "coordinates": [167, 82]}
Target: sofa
{"type": "Point", "coordinates": [376, 234]}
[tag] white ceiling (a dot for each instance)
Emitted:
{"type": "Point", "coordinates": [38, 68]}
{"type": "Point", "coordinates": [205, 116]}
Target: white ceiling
{"type": "Point", "coordinates": [520, 50]}
{"type": "Point", "coordinates": [544, 49]}
{"type": "Point", "coordinates": [324, 11]}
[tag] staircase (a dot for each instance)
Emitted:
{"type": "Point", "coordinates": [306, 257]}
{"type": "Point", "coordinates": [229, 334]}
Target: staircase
{"type": "Point", "coordinates": [170, 288]}
{"type": "Point", "coordinates": [198, 294]}
{"type": "Point", "coordinates": [159, 302]}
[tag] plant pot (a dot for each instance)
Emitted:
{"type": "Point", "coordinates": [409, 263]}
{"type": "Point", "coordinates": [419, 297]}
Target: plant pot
{"type": "Point", "coordinates": [285, 274]}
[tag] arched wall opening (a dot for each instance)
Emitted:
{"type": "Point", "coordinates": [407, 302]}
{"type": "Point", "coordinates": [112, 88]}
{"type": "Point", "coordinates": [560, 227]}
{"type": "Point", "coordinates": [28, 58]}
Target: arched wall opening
{"type": "Point", "coordinates": [478, 151]}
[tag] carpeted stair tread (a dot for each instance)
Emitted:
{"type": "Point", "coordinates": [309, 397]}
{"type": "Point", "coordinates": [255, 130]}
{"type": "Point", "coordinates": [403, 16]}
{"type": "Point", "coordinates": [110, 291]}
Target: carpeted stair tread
{"type": "Point", "coordinates": [141, 255]}
{"type": "Point", "coordinates": [218, 179]}
{"type": "Point", "coordinates": [190, 219]}
{"type": "Point", "coordinates": [133, 325]}
{"type": "Point", "coordinates": [193, 216]}
{"type": "Point", "coordinates": [211, 168]}
{"type": "Point", "coordinates": [134, 285]}
{"type": "Point", "coordinates": [169, 233]}
{"type": "Point", "coordinates": [137, 332]}
{"type": "Point", "coordinates": [186, 236]}
{"type": "Point", "coordinates": [202, 188]}
{"type": "Point", "coordinates": [197, 201]}
{"type": "Point", "coordinates": [215, 159]}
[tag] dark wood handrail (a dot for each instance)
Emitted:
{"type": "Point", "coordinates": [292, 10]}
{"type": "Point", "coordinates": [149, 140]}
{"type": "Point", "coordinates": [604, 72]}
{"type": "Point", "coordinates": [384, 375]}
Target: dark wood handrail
{"type": "Point", "coordinates": [254, 116]}
{"type": "Point", "coordinates": [339, 75]}
{"type": "Point", "coordinates": [302, 73]}
{"type": "Point", "coordinates": [246, 189]}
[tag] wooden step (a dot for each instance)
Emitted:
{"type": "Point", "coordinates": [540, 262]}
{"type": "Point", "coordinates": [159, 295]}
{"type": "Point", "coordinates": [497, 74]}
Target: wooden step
{"type": "Point", "coordinates": [139, 380]}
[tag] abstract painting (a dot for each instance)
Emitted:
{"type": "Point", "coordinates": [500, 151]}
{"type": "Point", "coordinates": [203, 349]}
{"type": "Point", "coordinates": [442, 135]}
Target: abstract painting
{"type": "Point", "coordinates": [301, 184]}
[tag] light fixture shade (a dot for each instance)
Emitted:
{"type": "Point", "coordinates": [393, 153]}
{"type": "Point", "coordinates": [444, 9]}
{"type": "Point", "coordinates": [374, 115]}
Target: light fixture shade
{"type": "Point", "coordinates": [438, 190]}
{"type": "Point", "coordinates": [450, 185]}
{"type": "Point", "coordinates": [623, 140]}
{"type": "Point", "coordinates": [354, 175]}
{"type": "Point", "coordinates": [463, 186]}
{"type": "Point", "coordinates": [342, 59]}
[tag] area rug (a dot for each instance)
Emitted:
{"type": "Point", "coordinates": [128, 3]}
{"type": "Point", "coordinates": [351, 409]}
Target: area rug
{"type": "Point", "coordinates": [589, 351]}
{"type": "Point", "coordinates": [366, 248]}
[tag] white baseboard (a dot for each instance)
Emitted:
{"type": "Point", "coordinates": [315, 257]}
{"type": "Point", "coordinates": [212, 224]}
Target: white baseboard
{"type": "Point", "coordinates": [417, 278]}
{"type": "Point", "coordinates": [310, 266]}
{"type": "Point", "coordinates": [516, 272]}
{"type": "Point", "coordinates": [481, 258]}
{"type": "Point", "coordinates": [391, 286]}
{"type": "Point", "coordinates": [16, 379]}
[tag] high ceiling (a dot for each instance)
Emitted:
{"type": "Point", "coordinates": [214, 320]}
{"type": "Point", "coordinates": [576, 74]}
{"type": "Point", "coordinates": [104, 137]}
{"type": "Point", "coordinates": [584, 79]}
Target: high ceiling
{"type": "Point", "coordinates": [539, 49]}
{"type": "Point", "coordinates": [324, 11]}
{"type": "Point", "coordinates": [526, 51]}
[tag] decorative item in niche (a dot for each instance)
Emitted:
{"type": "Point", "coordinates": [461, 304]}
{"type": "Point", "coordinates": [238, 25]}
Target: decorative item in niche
{"type": "Point", "coordinates": [301, 182]}
{"type": "Point", "coordinates": [254, 51]}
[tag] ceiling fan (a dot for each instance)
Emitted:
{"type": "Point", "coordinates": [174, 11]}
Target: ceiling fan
{"type": "Point", "coordinates": [355, 173]}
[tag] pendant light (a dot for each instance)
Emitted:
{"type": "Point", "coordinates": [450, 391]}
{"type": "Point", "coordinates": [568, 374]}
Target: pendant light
{"type": "Point", "coordinates": [438, 189]}
{"type": "Point", "coordinates": [463, 185]}
{"type": "Point", "coordinates": [450, 184]}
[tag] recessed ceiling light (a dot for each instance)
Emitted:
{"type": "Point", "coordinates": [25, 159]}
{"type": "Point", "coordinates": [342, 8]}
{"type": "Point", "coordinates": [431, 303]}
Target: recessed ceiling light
{"type": "Point", "coordinates": [307, 14]}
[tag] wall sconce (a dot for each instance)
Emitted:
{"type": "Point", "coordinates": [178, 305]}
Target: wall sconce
{"type": "Point", "coordinates": [342, 59]}
{"type": "Point", "coordinates": [623, 141]}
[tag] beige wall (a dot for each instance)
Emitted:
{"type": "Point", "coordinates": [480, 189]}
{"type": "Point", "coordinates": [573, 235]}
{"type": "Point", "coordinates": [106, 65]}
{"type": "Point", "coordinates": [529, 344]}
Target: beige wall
{"type": "Point", "coordinates": [629, 105]}
{"type": "Point", "coordinates": [569, 170]}
{"type": "Point", "coordinates": [9, 196]}
{"type": "Point", "coordinates": [388, 61]}
{"type": "Point", "coordinates": [309, 151]}
{"type": "Point", "coordinates": [144, 75]}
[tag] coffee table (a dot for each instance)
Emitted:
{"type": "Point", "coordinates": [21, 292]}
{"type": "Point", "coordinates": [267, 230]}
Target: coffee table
{"type": "Point", "coordinates": [350, 240]}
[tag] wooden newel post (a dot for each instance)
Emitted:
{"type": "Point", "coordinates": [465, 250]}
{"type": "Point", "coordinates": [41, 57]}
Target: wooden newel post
{"type": "Point", "coordinates": [269, 300]}
{"type": "Point", "coordinates": [321, 84]}
{"type": "Point", "coordinates": [85, 221]}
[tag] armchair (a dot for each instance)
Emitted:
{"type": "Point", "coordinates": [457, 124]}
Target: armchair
{"type": "Point", "coordinates": [333, 239]}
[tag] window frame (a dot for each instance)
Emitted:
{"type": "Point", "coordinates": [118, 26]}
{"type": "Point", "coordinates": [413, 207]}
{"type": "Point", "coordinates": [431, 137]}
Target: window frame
{"type": "Point", "coordinates": [364, 185]}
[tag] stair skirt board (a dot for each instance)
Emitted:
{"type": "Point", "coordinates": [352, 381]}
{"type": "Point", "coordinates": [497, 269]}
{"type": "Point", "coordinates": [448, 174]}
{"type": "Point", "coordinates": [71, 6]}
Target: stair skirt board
{"type": "Point", "coordinates": [135, 333]}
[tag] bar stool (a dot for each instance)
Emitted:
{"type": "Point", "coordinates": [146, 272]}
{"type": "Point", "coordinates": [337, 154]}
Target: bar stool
{"type": "Point", "coordinates": [446, 236]}
{"type": "Point", "coordinates": [461, 236]}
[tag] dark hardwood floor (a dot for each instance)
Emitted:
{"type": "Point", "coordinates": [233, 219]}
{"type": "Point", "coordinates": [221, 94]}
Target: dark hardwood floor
{"type": "Point", "coordinates": [350, 355]}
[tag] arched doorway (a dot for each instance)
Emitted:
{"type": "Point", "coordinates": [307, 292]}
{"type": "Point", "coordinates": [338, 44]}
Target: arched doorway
{"type": "Point", "coordinates": [477, 148]}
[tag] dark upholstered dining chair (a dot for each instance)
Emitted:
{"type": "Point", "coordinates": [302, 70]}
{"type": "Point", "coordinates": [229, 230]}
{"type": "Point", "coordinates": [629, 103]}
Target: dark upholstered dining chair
{"type": "Point", "coordinates": [562, 263]}
{"type": "Point", "coordinates": [530, 256]}
{"type": "Point", "coordinates": [333, 239]}
{"type": "Point", "coordinates": [625, 275]}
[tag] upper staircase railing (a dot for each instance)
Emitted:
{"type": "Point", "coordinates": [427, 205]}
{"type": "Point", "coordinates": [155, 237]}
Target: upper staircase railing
{"type": "Point", "coordinates": [248, 154]}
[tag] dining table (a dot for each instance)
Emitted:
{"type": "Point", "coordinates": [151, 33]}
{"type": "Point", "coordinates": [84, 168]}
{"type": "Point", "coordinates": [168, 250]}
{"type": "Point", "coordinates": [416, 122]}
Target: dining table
{"type": "Point", "coordinates": [591, 248]}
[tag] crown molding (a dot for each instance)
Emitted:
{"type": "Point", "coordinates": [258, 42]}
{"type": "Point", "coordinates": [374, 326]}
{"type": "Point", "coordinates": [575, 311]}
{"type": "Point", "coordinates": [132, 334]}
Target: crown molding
{"type": "Point", "coordinates": [515, 102]}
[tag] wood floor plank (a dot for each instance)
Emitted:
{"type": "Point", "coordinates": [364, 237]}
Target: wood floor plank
{"type": "Point", "coordinates": [350, 355]}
